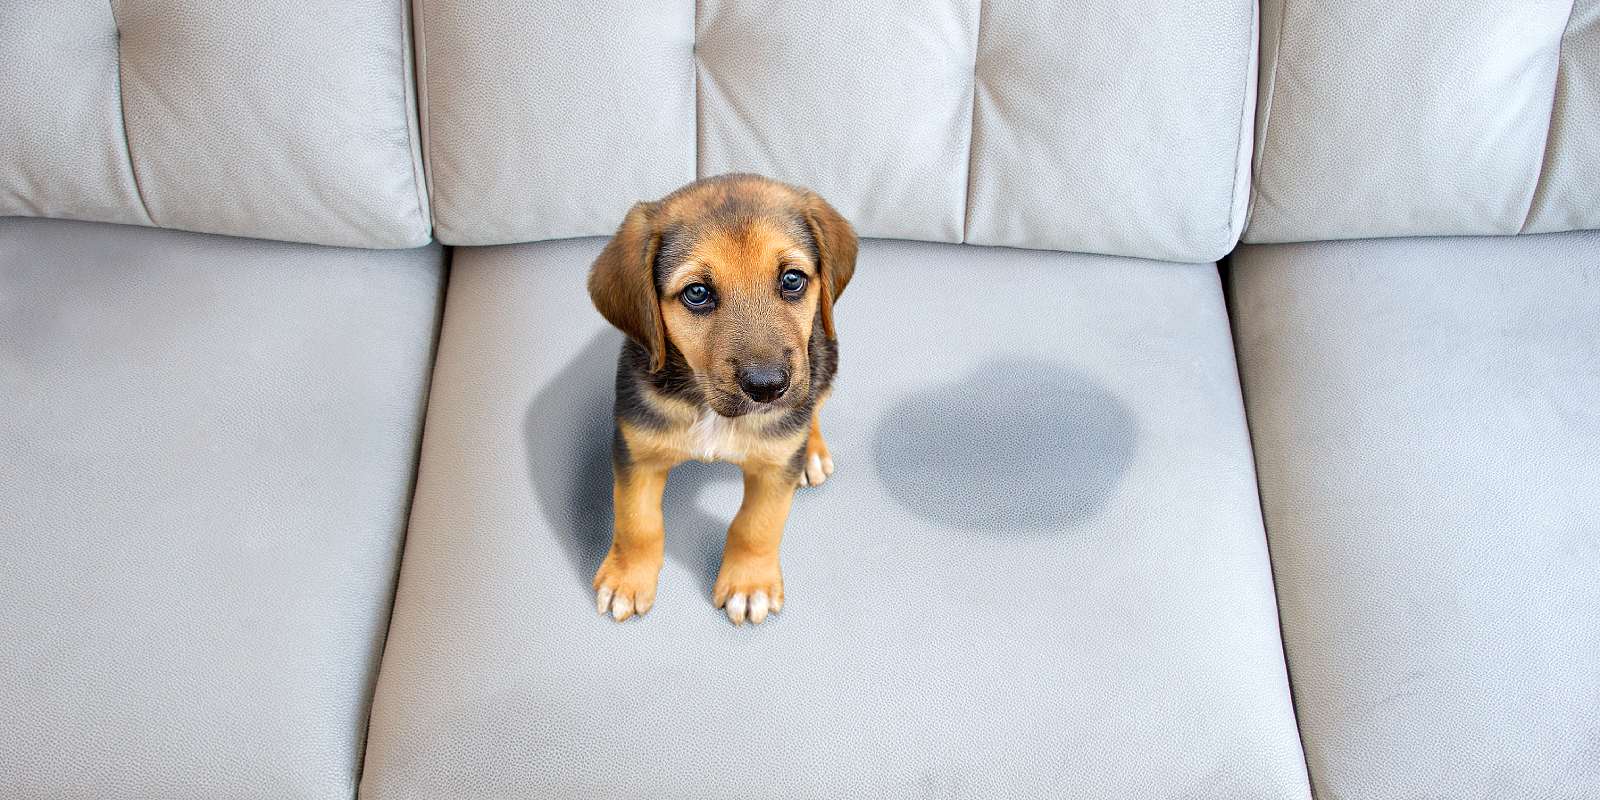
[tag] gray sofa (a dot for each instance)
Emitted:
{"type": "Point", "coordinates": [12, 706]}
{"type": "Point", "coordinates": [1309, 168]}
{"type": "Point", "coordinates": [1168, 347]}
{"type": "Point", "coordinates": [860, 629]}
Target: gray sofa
{"type": "Point", "coordinates": [304, 411]}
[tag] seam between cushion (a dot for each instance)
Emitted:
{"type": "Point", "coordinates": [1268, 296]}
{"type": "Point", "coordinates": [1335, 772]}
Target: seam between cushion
{"type": "Point", "coordinates": [1227, 280]}
{"type": "Point", "coordinates": [1549, 128]}
{"type": "Point", "coordinates": [1266, 117]}
{"type": "Point", "coordinates": [694, 87]}
{"type": "Point", "coordinates": [1246, 108]}
{"type": "Point", "coordinates": [410, 53]}
{"type": "Point", "coordinates": [417, 57]}
{"type": "Point", "coordinates": [972, 127]}
{"type": "Point", "coordinates": [122, 117]}
{"type": "Point", "coordinates": [375, 672]}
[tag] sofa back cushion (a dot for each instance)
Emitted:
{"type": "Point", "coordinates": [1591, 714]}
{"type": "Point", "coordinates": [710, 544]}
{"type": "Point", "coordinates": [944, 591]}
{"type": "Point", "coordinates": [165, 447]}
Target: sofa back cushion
{"type": "Point", "coordinates": [1112, 126]}
{"type": "Point", "coordinates": [1427, 118]}
{"type": "Point", "coordinates": [282, 119]}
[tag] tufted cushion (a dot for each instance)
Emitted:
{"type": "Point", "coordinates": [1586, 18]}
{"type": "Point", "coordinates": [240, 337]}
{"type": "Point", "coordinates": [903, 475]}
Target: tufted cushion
{"type": "Point", "coordinates": [1427, 118]}
{"type": "Point", "coordinates": [1077, 146]}
{"type": "Point", "coordinates": [868, 103]}
{"type": "Point", "coordinates": [1568, 195]}
{"type": "Point", "coordinates": [513, 141]}
{"type": "Point", "coordinates": [1012, 122]}
{"type": "Point", "coordinates": [282, 119]}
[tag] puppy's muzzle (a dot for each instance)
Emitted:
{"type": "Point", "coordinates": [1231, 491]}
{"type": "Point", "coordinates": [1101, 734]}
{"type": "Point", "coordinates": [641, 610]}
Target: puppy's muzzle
{"type": "Point", "coordinates": [764, 383]}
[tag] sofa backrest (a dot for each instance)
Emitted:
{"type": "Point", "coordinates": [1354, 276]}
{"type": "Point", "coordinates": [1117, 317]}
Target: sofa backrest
{"type": "Point", "coordinates": [1436, 117]}
{"type": "Point", "coordinates": [279, 119]}
{"type": "Point", "coordinates": [1109, 126]}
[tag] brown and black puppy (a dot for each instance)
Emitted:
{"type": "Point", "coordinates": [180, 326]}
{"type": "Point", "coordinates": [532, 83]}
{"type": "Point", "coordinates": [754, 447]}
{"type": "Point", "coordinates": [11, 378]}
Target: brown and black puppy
{"type": "Point", "coordinates": [725, 289]}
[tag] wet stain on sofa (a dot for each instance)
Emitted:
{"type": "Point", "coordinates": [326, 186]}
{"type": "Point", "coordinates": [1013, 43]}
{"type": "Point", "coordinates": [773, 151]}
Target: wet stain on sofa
{"type": "Point", "coordinates": [1018, 445]}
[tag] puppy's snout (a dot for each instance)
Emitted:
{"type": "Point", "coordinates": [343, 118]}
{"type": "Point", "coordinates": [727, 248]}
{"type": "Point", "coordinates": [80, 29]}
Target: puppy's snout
{"type": "Point", "coordinates": [764, 383]}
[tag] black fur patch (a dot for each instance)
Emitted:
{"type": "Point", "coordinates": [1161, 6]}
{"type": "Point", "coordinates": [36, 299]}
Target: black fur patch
{"type": "Point", "coordinates": [635, 380]}
{"type": "Point", "coordinates": [620, 457]}
{"type": "Point", "coordinates": [676, 244]}
{"type": "Point", "coordinates": [797, 462]}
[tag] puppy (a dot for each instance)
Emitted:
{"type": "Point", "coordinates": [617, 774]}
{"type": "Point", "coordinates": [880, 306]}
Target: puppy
{"type": "Point", "coordinates": [725, 289]}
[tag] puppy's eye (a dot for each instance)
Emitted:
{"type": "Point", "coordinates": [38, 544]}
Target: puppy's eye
{"type": "Point", "coordinates": [696, 295]}
{"type": "Point", "coordinates": [792, 281]}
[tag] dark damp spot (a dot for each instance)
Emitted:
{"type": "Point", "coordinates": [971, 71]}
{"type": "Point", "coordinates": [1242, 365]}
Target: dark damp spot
{"type": "Point", "coordinates": [1022, 445]}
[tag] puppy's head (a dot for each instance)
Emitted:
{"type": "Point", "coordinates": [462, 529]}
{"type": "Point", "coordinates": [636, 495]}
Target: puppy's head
{"type": "Point", "coordinates": [731, 274]}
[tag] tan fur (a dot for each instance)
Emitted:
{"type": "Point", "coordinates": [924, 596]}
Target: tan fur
{"type": "Point", "coordinates": [615, 284]}
{"type": "Point", "coordinates": [744, 233]}
{"type": "Point", "coordinates": [743, 264]}
{"type": "Point", "coordinates": [638, 539]}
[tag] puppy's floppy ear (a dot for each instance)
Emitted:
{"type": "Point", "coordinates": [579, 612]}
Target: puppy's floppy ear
{"type": "Point", "coordinates": [836, 252]}
{"type": "Point", "coordinates": [622, 282]}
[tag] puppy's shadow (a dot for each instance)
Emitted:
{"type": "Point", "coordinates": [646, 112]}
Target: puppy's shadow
{"type": "Point", "coordinates": [569, 429]}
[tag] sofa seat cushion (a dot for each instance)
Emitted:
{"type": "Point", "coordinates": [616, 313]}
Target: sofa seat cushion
{"type": "Point", "coordinates": [206, 454]}
{"type": "Point", "coordinates": [1039, 571]}
{"type": "Point", "coordinates": [1429, 444]}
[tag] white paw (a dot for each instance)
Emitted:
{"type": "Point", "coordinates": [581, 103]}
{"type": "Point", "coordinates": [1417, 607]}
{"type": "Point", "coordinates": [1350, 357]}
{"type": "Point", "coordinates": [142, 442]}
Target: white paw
{"type": "Point", "coordinates": [620, 604]}
{"type": "Point", "coordinates": [754, 607]}
{"type": "Point", "coordinates": [817, 469]}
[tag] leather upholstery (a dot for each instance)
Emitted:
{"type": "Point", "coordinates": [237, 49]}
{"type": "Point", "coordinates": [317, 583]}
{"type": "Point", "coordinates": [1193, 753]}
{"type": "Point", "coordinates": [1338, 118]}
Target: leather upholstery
{"type": "Point", "coordinates": [1039, 571]}
{"type": "Point", "coordinates": [1426, 118]}
{"type": "Point", "coordinates": [62, 148]}
{"type": "Point", "coordinates": [539, 117]}
{"type": "Point", "coordinates": [274, 119]}
{"type": "Point", "coordinates": [1079, 147]}
{"type": "Point", "coordinates": [1569, 178]}
{"type": "Point", "coordinates": [1042, 568]}
{"type": "Point", "coordinates": [868, 103]}
{"type": "Point", "coordinates": [1428, 443]}
{"type": "Point", "coordinates": [948, 121]}
{"type": "Point", "coordinates": [207, 453]}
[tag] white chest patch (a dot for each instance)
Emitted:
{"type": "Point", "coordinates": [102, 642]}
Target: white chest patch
{"type": "Point", "coordinates": [713, 437]}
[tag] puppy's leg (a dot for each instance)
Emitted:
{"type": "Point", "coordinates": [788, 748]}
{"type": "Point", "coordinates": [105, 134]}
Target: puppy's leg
{"type": "Point", "coordinates": [750, 581]}
{"type": "Point", "coordinates": [626, 582]}
{"type": "Point", "coordinates": [818, 464]}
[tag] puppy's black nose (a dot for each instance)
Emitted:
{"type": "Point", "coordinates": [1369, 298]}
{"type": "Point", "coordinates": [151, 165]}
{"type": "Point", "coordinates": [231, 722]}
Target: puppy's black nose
{"type": "Point", "coordinates": [764, 384]}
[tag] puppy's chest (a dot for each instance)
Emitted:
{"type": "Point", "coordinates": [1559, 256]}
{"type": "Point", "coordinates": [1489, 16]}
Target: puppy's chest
{"type": "Point", "coordinates": [701, 434]}
{"type": "Point", "coordinates": [713, 437]}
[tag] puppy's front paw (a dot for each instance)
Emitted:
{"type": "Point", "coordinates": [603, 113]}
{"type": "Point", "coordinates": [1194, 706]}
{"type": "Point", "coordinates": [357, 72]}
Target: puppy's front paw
{"type": "Point", "coordinates": [625, 586]}
{"type": "Point", "coordinates": [749, 588]}
{"type": "Point", "coordinates": [818, 465]}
